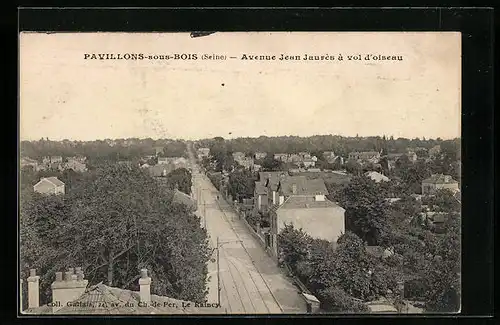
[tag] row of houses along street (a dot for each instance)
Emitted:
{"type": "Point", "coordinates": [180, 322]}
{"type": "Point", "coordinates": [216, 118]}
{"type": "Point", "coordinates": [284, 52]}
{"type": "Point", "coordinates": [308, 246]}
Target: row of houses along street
{"type": "Point", "coordinates": [298, 196]}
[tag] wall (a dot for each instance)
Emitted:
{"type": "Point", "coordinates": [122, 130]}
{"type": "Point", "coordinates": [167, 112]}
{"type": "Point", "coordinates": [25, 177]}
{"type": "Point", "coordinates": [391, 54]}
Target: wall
{"type": "Point", "coordinates": [323, 223]}
{"type": "Point", "coordinates": [449, 186]}
{"type": "Point", "coordinates": [44, 187]}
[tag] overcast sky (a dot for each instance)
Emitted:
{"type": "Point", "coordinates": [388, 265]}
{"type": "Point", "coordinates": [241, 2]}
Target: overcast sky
{"type": "Point", "coordinates": [64, 96]}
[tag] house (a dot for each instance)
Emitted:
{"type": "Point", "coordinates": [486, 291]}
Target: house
{"type": "Point", "coordinates": [294, 158]}
{"type": "Point", "coordinates": [411, 154]}
{"type": "Point", "coordinates": [81, 159]}
{"type": "Point", "coordinates": [303, 204]}
{"type": "Point", "coordinates": [52, 159]}
{"type": "Point", "coordinates": [260, 155]}
{"type": "Point", "coordinates": [329, 155]}
{"type": "Point", "coordinates": [308, 162]}
{"type": "Point", "coordinates": [25, 161]}
{"type": "Point", "coordinates": [438, 181]}
{"type": "Point", "coordinates": [392, 158]}
{"type": "Point", "coordinates": [49, 185]}
{"type": "Point", "coordinates": [75, 164]}
{"type": "Point", "coordinates": [56, 159]}
{"type": "Point", "coordinates": [331, 158]}
{"type": "Point", "coordinates": [281, 157]}
{"type": "Point", "coordinates": [182, 198]}
{"type": "Point", "coordinates": [178, 162]}
{"type": "Point", "coordinates": [377, 177]}
{"type": "Point", "coordinates": [246, 162]}
{"type": "Point", "coordinates": [238, 155]}
{"type": "Point", "coordinates": [160, 170]}
{"type": "Point", "coordinates": [256, 167]}
{"type": "Point", "coordinates": [163, 160]}
{"type": "Point", "coordinates": [158, 151]}
{"type": "Point", "coordinates": [304, 155]}
{"type": "Point", "coordinates": [267, 181]}
{"type": "Point", "coordinates": [365, 156]}
{"type": "Point", "coordinates": [260, 198]}
{"type": "Point", "coordinates": [203, 153]}
{"type": "Point", "coordinates": [72, 295]}
{"type": "Point", "coordinates": [434, 151]}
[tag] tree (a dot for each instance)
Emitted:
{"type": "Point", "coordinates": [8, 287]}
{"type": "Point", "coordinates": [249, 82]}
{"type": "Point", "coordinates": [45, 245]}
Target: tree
{"type": "Point", "coordinates": [271, 164]}
{"type": "Point", "coordinates": [122, 221]}
{"type": "Point", "coordinates": [334, 299]}
{"type": "Point", "coordinates": [354, 168]}
{"type": "Point", "coordinates": [443, 201]}
{"type": "Point", "coordinates": [365, 208]}
{"type": "Point", "coordinates": [181, 179]}
{"type": "Point", "coordinates": [241, 184]}
{"type": "Point", "coordinates": [442, 277]}
{"type": "Point", "coordinates": [293, 245]}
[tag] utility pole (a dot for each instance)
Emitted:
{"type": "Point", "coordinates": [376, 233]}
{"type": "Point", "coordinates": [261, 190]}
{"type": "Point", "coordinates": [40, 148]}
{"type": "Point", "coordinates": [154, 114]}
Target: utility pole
{"type": "Point", "coordinates": [219, 245]}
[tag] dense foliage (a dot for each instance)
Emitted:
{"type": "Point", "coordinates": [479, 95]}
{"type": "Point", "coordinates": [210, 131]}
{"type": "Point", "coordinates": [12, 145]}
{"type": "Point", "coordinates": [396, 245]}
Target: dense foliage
{"type": "Point", "coordinates": [117, 221]}
{"type": "Point", "coordinates": [180, 178]}
{"type": "Point", "coordinates": [338, 276]}
{"type": "Point", "coordinates": [341, 145]}
{"type": "Point", "coordinates": [241, 184]}
{"type": "Point", "coordinates": [100, 150]}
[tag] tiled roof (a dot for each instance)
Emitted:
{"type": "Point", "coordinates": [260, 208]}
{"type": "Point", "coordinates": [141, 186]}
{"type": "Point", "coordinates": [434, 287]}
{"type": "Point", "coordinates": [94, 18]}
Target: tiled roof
{"type": "Point", "coordinates": [183, 198]}
{"type": "Point", "coordinates": [377, 177]}
{"type": "Point", "coordinates": [103, 300]}
{"type": "Point", "coordinates": [157, 170]}
{"type": "Point", "coordinates": [260, 188]}
{"type": "Point", "coordinates": [28, 160]}
{"type": "Point", "coordinates": [54, 180]}
{"type": "Point", "coordinates": [439, 179]}
{"type": "Point", "coordinates": [303, 185]}
{"type": "Point", "coordinates": [274, 178]}
{"type": "Point", "coordinates": [306, 202]}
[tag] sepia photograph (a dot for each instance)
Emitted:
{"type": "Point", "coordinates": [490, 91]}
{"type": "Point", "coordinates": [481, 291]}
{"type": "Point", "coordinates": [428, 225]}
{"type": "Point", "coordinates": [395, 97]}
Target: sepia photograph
{"type": "Point", "coordinates": [229, 173]}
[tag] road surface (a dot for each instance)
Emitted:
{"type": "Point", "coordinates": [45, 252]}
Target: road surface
{"type": "Point", "coordinates": [250, 281]}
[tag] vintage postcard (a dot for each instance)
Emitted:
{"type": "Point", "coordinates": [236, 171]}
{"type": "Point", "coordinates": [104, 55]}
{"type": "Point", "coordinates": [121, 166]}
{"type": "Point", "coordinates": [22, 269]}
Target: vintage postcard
{"type": "Point", "coordinates": [240, 173]}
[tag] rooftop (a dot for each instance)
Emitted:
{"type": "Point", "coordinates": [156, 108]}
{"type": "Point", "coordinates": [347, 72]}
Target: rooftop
{"type": "Point", "coordinates": [377, 177]}
{"type": "Point", "coordinates": [303, 186]}
{"type": "Point", "coordinates": [439, 179]}
{"type": "Point", "coordinates": [183, 198]}
{"type": "Point", "coordinates": [53, 180]}
{"type": "Point", "coordinates": [260, 188]}
{"type": "Point", "coordinates": [305, 202]}
{"type": "Point", "coordinates": [103, 300]}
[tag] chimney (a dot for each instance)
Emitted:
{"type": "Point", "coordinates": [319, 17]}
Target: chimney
{"type": "Point", "coordinates": [21, 295]}
{"type": "Point", "coordinates": [67, 289]}
{"type": "Point", "coordinates": [294, 188]}
{"type": "Point", "coordinates": [145, 287]}
{"type": "Point", "coordinates": [33, 290]}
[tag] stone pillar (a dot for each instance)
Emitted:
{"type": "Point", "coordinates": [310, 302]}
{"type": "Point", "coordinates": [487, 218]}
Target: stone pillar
{"type": "Point", "coordinates": [33, 290]}
{"type": "Point", "coordinates": [20, 295]}
{"type": "Point", "coordinates": [145, 287]}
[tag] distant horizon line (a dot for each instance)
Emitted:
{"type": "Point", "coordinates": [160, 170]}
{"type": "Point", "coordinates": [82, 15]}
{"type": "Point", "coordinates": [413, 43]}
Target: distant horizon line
{"type": "Point", "coordinates": [242, 137]}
